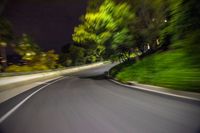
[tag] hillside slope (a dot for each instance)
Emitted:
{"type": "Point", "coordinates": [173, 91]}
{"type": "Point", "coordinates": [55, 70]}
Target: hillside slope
{"type": "Point", "coordinates": [170, 69]}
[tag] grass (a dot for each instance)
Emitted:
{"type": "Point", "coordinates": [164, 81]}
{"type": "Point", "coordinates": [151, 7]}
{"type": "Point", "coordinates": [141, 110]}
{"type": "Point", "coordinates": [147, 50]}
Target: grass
{"type": "Point", "coordinates": [171, 69]}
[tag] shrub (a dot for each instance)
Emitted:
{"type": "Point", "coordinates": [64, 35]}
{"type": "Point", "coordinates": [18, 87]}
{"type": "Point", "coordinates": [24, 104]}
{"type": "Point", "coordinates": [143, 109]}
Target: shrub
{"type": "Point", "coordinates": [16, 68]}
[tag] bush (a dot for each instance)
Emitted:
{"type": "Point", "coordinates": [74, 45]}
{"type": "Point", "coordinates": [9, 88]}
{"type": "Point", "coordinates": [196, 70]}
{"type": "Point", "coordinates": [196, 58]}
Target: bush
{"type": "Point", "coordinates": [26, 68]}
{"type": "Point", "coordinates": [16, 68]}
{"type": "Point", "coordinates": [39, 67]}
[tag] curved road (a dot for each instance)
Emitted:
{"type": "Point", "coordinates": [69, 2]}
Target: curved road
{"type": "Point", "coordinates": [86, 102]}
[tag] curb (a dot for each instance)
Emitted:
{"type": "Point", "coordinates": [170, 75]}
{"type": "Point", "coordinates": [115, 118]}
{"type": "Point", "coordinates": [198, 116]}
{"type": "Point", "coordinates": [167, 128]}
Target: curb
{"type": "Point", "coordinates": [14, 85]}
{"type": "Point", "coordinates": [135, 86]}
{"type": "Point", "coordinates": [16, 81]}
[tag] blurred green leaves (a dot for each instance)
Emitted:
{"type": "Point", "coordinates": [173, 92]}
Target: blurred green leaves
{"type": "Point", "coordinates": [178, 66]}
{"type": "Point", "coordinates": [33, 57]}
{"type": "Point", "coordinates": [27, 48]}
{"type": "Point", "coordinates": [105, 27]}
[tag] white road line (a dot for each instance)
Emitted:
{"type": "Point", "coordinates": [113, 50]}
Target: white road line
{"type": "Point", "coordinates": [5, 116]}
{"type": "Point", "coordinates": [155, 91]}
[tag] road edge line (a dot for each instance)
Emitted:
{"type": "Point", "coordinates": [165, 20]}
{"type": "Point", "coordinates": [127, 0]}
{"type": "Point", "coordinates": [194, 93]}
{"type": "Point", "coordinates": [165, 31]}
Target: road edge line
{"type": "Point", "coordinates": [154, 91]}
{"type": "Point", "coordinates": [11, 111]}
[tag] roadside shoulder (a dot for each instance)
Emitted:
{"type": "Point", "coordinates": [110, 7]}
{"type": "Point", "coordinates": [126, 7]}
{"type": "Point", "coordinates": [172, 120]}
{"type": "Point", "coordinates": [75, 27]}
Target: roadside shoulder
{"type": "Point", "coordinates": [159, 90]}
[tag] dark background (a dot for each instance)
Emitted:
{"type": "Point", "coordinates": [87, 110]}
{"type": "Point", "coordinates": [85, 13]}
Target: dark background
{"type": "Point", "coordinates": [49, 22]}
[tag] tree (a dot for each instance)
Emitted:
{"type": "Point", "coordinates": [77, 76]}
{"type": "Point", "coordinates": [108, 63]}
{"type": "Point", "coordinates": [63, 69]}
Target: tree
{"type": "Point", "coordinates": [185, 28]}
{"type": "Point", "coordinates": [72, 55]}
{"type": "Point", "coordinates": [6, 36]}
{"type": "Point", "coordinates": [123, 43]}
{"type": "Point", "coordinates": [151, 17]}
{"type": "Point", "coordinates": [48, 59]}
{"type": "Point", "coordinates": [27, 49]}
{"type": "Point", "coordinates": [105, 27]}
{"type": "Point", "coordinates": [65, 48]}
{"type": "Point", "coordinates": [34, 56]}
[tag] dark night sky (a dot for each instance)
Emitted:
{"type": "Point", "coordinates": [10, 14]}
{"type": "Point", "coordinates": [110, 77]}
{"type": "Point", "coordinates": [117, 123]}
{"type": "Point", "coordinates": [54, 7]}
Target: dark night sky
{"type": "Point", "coordinates": [49, 22]}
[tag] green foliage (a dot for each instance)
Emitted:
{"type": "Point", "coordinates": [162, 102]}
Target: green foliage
{"type": "Point", "coordinates": [185, 27]}
{"type": "Point", "coordinates": [16, 68]}
{"type": "Point", "coordinates": [73, 56]}
{"type": "Point", "coordinates": [179, 66]}
{"type": "Point", "coordinates": [169, 69]}
{"type": "Point", "coordinates": [40, 67]}
{"type": "Point", "coordinates": [90, 56]}
{"type": "Point", "coordinates": [105, 28]}
{"type": "Point", "coordinates": [26, 68]}
{"type": "Point", "coordinates": [77, 55]}
{"type": "Point", "coordinates": [47, 59]}
{"type": "Point", "coordinates": [6, 33]}
{"type": "Point", "coordinates": [33, 56]}
{"type": "Point", "coordinates": [42, 61]}
{"type": "Point", "coordinates": [151, 19]}
{"type": "Point", "coordinates": [27, 48]}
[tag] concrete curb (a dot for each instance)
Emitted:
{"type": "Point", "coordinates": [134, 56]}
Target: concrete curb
{"type": "Point", "coordinates": [13, 81]}
{"type": "Point", "coordinates": [160, 90]}
{"type": "Point", "coordinates": [14, 85]}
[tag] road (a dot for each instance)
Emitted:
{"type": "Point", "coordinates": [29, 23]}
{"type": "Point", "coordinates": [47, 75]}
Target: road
{"type": "Point", "coordinates": [85, 102]}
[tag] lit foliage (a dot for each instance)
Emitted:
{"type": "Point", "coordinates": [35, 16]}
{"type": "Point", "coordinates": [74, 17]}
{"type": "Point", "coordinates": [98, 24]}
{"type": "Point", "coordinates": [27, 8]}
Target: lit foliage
{"type": "Point", "coordinates": [48, 59]}
{"type": "Point", "coordinates": [27, 48]}
{"type": "Point", "coordinates": [33, 57]}
{"type": "Point", "coordinates": [122, 37]}
{"type": "Point", "coordinates": [109, 24]}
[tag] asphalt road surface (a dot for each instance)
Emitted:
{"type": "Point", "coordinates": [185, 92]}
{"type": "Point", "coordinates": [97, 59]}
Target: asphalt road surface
{"type": "Point", "coordinates": [86, 102]}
